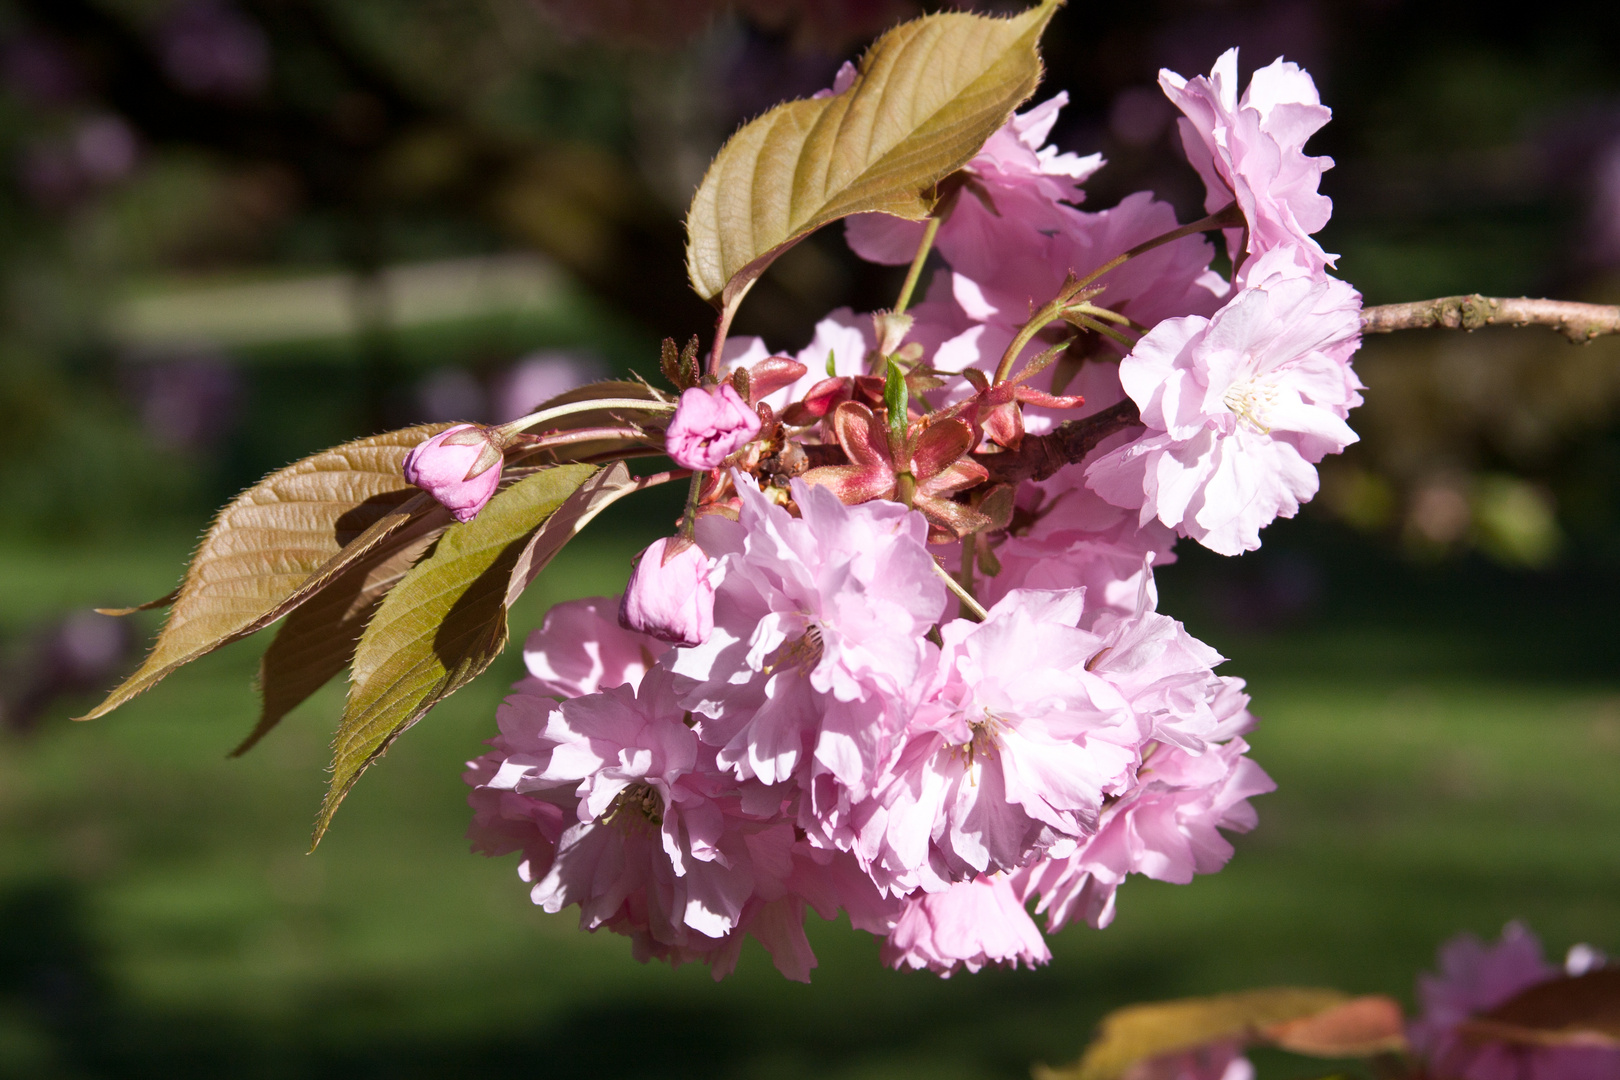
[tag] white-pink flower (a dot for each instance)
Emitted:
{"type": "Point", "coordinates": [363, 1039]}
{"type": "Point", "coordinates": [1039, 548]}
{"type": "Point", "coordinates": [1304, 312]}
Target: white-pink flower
{"type": "Point", "coordinates": [818, 634]}
{"type": "Point", "coordinates": [580, 648]}
{"type": "Point", "coordinates": [1251, 150]}
{"type": "Point", "coordinates": [1012, 749]}
{"type": "Point", "coordinates": [1238, 408]}
{"type": "Point", "coordinates": [973, 924]}
{"type": "Point", "coordinates": [648, 843]}
{"type": "Point", "coordinates": [1167, 827]}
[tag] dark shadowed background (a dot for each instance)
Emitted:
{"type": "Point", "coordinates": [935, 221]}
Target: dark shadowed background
{"type": "Point", "coordinates": [233, 232]}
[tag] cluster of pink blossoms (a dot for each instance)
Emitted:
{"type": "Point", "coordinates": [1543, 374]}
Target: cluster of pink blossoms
{"type": "Point", "coordinates": [782, 714]}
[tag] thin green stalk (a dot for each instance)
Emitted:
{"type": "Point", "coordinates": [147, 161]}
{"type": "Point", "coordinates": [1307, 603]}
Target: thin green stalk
{"type": "Point", "coordinates": [593, 405]}
{"type": "Point", "coordinates": [1229, 216]}
{"type": "Point", "coordinates": [1221, 219]}
{"type": "Point", "coordinates": [917, 260]}
{"type": "Point", "coordinates": [689, 518]}
{"type": "Point", "coordinates": [1102, 328]}
{"type": "Point", "coordinates": [1110, 315]}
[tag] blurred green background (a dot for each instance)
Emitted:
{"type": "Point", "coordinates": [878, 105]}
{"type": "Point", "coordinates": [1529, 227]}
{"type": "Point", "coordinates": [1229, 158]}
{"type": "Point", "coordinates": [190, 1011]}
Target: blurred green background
{"type": "Point", "coordinates": [233, 232]}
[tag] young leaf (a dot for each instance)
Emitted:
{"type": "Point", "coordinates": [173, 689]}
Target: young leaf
{"type": "Point", "coordinates": [895, 402]}
{"type": "Point", "coordinates": [1360, 1027]}
{"type": "Point", "coordinates": [927, 96]}
{"type": "Point", "coordinates": [440, 626]}
{"type": "Point", "coordinates": [319, 637]}
{"type": "Point", "coordinates": [1138, 1032]}
{"type": "Point", "coordinates": [270, 540]}
{"type": "Point", "coordinates": [592, 497]}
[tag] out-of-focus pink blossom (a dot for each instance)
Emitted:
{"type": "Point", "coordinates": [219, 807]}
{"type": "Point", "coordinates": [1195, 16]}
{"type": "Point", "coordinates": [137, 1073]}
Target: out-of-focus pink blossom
{"type": "Point", "coordinates": [210, 47]}
{"type": "Point", "coordinates": [581, 648]}
{"type": "Point", "coordinates": [709, 426]}
{"type": "Point", "coordinates": [1476, 977]}
{"type": "Point", "coordinates": [1222, 1060]}
{"type": "Point", "coordinates": [1238, 408]}
{"type": "Point", "coordinates": [106, 148]}
{"type": "Point", "coordinates": [670, 597]}
{"type": "Point", "coordinates": [444, 467]}
{"type": "Point", "coordinates": [1251, 150]}
{"type": "Point", "coordinates": [538, 377]}
{"type": "Point", "coordinates": [973, 924]}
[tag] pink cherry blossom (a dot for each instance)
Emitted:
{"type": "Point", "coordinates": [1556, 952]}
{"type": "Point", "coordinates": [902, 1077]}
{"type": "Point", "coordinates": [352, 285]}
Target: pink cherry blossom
{"type": "Point", "coordinates": [971, 925]}
{"type": "Point", "coordinates": [710, 424]}
{"type": "Point", "coordinates": [818, 633]}
{"type": "Point", "coordinates": [647, 845]}
{"type": "Point", "coordinates": [444, 467]}
{"type": "Point", "coordinates": [1476, 977]}
{"type": "Point", "coordinates": [839, 348]}
{"type": "Point", "coordinates": [581, 648]}
{"type": "Point", "coordinates": [1065, 535]}
{"type": "Point", "coordinates": [1168, 827]}
{"type": "Point", "coordinates": [1013, 748]}
{"type": "Point", "coordinates": [1014, 181]}
{"type": "Point", "coordinates": [1252, 151]}
{"type": "Point", "coordinates": [669, 595]}
{"type": "Point", "coordinates": [1238, 408]}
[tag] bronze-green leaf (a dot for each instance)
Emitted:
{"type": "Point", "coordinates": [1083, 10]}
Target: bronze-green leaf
{"type": "Point", "coordinates": [271, 540]}
{"type": "Point", "coordinates": [440, 626]}
{"type": "Point", "coordinates": [927, 96]}
{"type": "Point", "coordinates": [319, 637]}
{"type": "Point", "coordinates": [1138, 1032]}
{"type": "Point", "coordinates": [592, 497]}
{"type": "Point", "coordinates": [1575, 1010]}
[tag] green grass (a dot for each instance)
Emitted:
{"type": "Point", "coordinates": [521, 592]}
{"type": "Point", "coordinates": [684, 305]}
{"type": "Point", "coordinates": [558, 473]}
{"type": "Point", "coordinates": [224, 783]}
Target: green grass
{"type": "Point", "coordinates": [161, 918]}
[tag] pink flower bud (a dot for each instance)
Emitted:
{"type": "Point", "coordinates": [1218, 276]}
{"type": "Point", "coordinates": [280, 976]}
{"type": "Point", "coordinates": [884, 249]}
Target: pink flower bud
{"type": "Point", "coordinates": [708, 427]}
{"type": "Point", "coordinates": [671, 599]}
{"type": "Point", "coordinates": [447, 467]}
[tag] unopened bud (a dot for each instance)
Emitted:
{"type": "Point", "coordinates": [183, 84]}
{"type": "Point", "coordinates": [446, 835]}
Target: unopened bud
{"type": "Point", "coordinates": [708, 427]}
{"type": "Point", "coordinates": [670, 596]}
{"type": "Point", "coordinates": [460, 467]}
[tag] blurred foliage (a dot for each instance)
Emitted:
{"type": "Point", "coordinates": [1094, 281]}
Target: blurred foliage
{"type": "Point", "coordinates": [1431, 777]}
{"type": "Point", "coordinates": [147, 142]}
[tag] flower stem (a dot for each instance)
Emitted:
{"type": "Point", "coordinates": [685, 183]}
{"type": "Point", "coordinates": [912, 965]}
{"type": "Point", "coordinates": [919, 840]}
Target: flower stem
{"type": "Point", "coordinates": [970, 544]}
{"type": "Point", "coordinates": [961, 594]}
{"type": "Point", "coordinates": [689, 517]}
{"type": "Point", "coordinates": [1084, 320]}
{"type": "Point", "coordinates": [1225, 218]}
{"type": "Point", "coordinates": [1075, 288]}
{"type": "Point", "coordinates": [917, 262]}
{"type": "Point", "coordinates": [593, 405]}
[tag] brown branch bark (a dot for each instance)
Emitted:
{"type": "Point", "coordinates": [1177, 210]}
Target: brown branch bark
{"type": "Point", "coordinates": [1039, 456]}
{"type": "Point", "coordinates": [1578, 322]}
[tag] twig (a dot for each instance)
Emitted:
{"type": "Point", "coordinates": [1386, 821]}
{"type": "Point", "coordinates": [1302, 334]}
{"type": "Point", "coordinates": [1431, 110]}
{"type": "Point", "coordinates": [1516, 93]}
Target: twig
{"type": "Point", "coordinates": [1039, 456]}
{"type": "Point", "coordinates": [1580, 323]}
